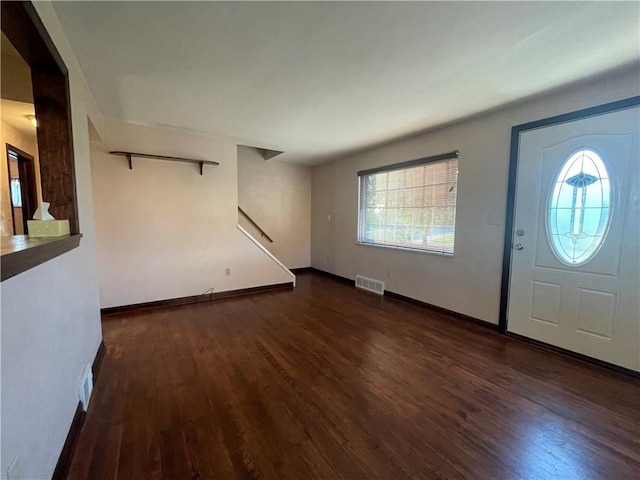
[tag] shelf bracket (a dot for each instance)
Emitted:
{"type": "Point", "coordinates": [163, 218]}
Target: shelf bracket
{"type": "Point", "coordinates": [130, 155]}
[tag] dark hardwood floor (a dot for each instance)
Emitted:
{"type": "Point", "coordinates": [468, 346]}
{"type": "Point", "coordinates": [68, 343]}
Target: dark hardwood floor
{"type": "Point", "coordinates": [329, 382]}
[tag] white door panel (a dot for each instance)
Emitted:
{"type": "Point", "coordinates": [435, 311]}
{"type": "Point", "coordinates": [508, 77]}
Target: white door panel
{"type": "Point", "coordinates": [607, 261]}
{"type": "Point", "coordinates": [591, 307]}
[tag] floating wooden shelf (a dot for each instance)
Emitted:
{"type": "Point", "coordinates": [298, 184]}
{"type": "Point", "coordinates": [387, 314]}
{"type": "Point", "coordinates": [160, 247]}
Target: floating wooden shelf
{"type": "Point", "coordinates": [129, 155]}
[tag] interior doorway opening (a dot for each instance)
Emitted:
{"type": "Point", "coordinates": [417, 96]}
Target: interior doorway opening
{"type": "Point", "coordinates": [22, 188]}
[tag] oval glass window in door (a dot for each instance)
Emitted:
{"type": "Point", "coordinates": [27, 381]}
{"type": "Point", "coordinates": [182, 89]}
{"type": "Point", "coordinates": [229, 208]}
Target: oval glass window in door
{"type": "Point", "coordinates": [579, 208]}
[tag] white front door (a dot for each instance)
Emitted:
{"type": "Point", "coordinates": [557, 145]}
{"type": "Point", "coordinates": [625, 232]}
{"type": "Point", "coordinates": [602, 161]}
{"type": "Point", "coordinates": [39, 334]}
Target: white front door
{"type": "Point", "coordinates": [575, 264]}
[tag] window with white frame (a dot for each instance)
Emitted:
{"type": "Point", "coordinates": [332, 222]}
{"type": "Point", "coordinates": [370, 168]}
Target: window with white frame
{"type": "Point", "coordinates": [16, 192]}
{"type": "Point", "coordinates": [410, 205]}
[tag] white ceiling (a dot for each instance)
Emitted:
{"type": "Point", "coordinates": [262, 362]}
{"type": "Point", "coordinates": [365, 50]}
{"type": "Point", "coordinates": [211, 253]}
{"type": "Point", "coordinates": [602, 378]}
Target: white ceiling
{"type": "Point", "coordinates": [319, 79]}
{"type": "Point", "coordinates": [16, 113]}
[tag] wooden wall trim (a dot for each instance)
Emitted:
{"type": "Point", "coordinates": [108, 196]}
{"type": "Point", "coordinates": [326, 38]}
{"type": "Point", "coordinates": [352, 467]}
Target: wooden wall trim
{"type": "Point", "coordinates": [52, 101]}
{"type": "Point", "coordinates": [22, 252]}
{"type": "Point", "coordinates": [446, 311]}
{"type": "Point", "coordinates": [207, 297]}
{"type": "Point", "coordinates": [493, 327]}
{"type": "Point", "coordinates": [55, 145]}
{"type": "Point", "coordinates": [97, 362]}
{"type": "Point", "coordinates": [27, 174]}
{"type": "Point", "coordinates": [574, 355]}
{"type": "Point", "coordinates": [338, 278]}
{"type": "Point", "coordinates": [516, 131]}
{"type": "Point", "coordinates": [66, 455]}
{"type": "Point", "coordinates": [301, 270]}
{"type": "Point", "coordinates": [420, 303]}
{"type": "Point", "coordinates": [24, 28]}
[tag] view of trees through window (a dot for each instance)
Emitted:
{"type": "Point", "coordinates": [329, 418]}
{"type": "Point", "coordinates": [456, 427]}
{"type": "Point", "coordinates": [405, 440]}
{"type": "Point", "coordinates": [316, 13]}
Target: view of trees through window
{"type": "Point", "coordinates": [412, 207]}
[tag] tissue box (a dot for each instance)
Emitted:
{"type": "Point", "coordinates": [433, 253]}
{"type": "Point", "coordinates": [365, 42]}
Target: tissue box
{"type": "Point", "coordinates": [48, 228]}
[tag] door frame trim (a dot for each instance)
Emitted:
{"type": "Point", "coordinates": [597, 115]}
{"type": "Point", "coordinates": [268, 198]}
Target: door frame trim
{"type": "Point", "coordinates": [511, 189]}
{"type": "Point", "coordinates": [31, 173]}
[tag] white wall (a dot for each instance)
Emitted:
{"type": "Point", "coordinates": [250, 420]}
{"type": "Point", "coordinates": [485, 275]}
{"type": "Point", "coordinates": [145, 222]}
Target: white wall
{"type": "Point", "coordinates": [163, 230]}
{"type": "Point", "coordinates": [277, 196]}
{"type": "Point", "coordinates": [50, 315]}
{"type": "Point", "coordinates": [468, 282]}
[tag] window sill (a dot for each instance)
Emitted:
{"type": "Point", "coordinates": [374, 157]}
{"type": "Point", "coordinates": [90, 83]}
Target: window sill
{"type": "Point", "coordinates": [20, 253]}
{"type": "Point", "coordinates": [405, 249]}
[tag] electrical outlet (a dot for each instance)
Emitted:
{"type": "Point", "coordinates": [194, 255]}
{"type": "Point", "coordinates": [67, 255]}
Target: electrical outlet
{"type": "Point", "coordinates": [328, 217]}
{"type": "Point", "coordinates": [13, 472]}
{"type": "Point", "coordinates": [328, 259]}
{"type": "Point", "coordinates": [227, 272]}
{"type": "Point", "coordinates": [388, 273]}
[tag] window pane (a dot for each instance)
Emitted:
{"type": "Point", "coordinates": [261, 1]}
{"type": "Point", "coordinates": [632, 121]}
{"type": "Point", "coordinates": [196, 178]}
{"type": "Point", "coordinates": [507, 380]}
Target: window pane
{"type": "Point", "coordinates": [410, 207]}
{"type": "Point", "coordinates": [578, 212]}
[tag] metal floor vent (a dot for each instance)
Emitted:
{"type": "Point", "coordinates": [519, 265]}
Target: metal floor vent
{"type": "Point", "coordinates": [86, 386]}
{"type": "Point", "coordinates": [375, 286]}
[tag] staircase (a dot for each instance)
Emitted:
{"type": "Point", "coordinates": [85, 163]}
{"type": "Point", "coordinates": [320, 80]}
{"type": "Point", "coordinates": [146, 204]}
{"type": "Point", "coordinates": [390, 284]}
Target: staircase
{"type": "Point", "coordinates": [257, 235]}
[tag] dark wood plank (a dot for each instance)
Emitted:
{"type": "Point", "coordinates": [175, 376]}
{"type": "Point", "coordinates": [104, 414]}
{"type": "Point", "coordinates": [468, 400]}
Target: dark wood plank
{"type": "Point", "coordinates": [97, 361]}
{"type": "Point", "coordinates": [205, 297]}
{"type": "Point", "coordinates": [577, 356]}
{"type": "Point", "coordinates": [22, 25]}
{"type": "Point", "coordinates": [21, 252]}
{"type": "Point", "coordinates": [130, 155]}
{"type": "Point", "coordinates": [346, 281]}
{"type": "Point", "coordinates": [66, 455]}
{"type": "Point", "coordinates": [64, 461]}
{"type": "Point", "coordinates": [49, 77]}
{"type": "Point", "coordinates": [26, 32]}
{"type": "Point", "coordinates": [163, 157]}
{"type": "Point", "coordinates": [326, 381]}
{"type": "Point", "coordinates": [300, 271]}
{"type": "Point", "coordinates": [55, 145]}
{"type": "Point", "coordinates": [429, 306]}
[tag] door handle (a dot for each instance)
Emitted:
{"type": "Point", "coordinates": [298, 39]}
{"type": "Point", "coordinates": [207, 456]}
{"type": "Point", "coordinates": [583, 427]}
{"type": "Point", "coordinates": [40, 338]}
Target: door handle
{"type": "Point", "coordinates": [519, 246]}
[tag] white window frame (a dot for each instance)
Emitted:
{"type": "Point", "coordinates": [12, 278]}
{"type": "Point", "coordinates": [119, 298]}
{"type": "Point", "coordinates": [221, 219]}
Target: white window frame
{"type": "Point", "coordinates": [361, 240]}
